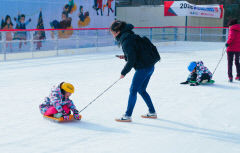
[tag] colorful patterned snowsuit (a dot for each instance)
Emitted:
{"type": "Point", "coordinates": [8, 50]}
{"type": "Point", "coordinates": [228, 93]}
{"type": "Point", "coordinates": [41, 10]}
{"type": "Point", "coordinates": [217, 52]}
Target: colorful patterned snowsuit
{"type": "Point", "coordinates": [200, 70]}
{"type": "Point", "coordinates": [56, 99]}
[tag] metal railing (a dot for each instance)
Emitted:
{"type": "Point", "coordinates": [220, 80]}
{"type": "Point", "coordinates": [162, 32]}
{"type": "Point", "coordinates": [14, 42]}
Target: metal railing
{"type": "Point", "coordinates": [122, 3]}
{"type": "Point", "coordinates": [29, 43]}
{"type": "Point", "coordinates": [182, 33]}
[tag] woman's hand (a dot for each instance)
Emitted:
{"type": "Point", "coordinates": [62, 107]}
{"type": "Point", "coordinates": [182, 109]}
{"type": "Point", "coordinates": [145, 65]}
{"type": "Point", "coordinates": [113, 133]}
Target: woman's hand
{"type": "Point", "coordinates": [120, 56]}
{"type": "Point", "coordinates": [122, 76]}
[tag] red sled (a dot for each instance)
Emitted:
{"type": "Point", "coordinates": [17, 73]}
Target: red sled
{"type": "Point", "coordinates": [71, 118]}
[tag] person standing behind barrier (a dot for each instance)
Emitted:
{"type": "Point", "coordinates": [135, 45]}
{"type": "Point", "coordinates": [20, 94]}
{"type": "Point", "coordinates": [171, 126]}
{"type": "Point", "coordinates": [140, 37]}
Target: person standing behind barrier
{"type": "Point", "coordinates": [137, 59]}
{"type": "Point", "coordinates": [233, 48]}
{"type": "Point", "coordinates": [99, 6]}
{"type": "Point", "coordinates": [21, 24]}
{"type": "Point", "coordinates": [109, 4]}
{"type": "Point", "coordinates": [8, 25]}
{"type": "Point", "coordinates": [2, 24]}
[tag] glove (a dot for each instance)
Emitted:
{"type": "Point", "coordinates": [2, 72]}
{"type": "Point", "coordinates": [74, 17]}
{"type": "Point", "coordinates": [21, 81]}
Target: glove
{"type": "Point", "coordinates": [226, 44]}
{"type": "Point", "coordinates": [194, 84]}
{"type": "Point", "coordinates": [186, 82]}
{"type": "Point", "coordinates": [65, 116]}
{"type": "Point", "coordinates": [15, 19]}
{"type": "Point", "coordinates": [76, 114]}
{"type": "Point", "coordinates": [30, 20]}
{"type": "Point", "coordinates": [120, 56]}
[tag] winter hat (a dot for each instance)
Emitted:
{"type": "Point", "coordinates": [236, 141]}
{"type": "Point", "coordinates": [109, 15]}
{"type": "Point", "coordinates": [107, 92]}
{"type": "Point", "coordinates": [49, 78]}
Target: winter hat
{"type": "Point", "coordinates": [192, 66]}
{"type": "Point", "coordinates": [67, 87]}
{"type": "Point", "coordinates": [232, 22]}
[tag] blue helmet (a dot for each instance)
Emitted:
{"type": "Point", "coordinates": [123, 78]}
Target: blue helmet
{"type": "Point", "coordinates": [192, 66]}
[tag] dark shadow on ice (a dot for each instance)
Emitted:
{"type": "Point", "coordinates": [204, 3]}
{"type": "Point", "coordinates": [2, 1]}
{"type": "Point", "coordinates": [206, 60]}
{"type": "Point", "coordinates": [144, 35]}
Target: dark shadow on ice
{"type": "Point", "coordinates": [187, 128]}
{"type": "Point", "coordinates": [94, 127]}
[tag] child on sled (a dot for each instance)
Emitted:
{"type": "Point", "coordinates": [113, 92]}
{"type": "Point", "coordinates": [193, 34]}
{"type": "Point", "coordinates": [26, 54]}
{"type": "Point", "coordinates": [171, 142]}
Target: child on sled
{"type": "Point", "coordinates": [58, 103]}
{"type": "Point", "coordinates": [199, 74]}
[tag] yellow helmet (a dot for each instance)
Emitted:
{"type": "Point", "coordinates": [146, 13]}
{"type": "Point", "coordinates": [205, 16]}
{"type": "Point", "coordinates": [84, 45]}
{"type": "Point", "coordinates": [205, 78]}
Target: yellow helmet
{"type": "Point", "coordinates": [68, 87]}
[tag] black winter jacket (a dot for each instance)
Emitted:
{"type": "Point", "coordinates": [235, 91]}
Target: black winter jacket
{"type": "Point", "coordinates": [133, 55]}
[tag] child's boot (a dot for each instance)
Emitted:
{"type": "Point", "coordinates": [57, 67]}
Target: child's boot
{"type": "Point", "coordinates": [58, 115]}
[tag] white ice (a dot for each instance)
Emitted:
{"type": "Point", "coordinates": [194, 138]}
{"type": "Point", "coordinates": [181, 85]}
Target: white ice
{"type": "Point", "coordinates": [202, 119]}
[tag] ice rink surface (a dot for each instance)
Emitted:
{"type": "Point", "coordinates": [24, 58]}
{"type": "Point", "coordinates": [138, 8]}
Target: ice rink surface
{"type": "Point", "coordinates": [202, 119]}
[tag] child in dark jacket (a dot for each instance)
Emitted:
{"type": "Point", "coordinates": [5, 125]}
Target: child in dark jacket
{"type": "Point", "coordinates": [81, 15]}
{"type": "Point", "coordinates": [68, 8]}
{"type": "Point", "coordinates": [63, 24]}
{"type": "Point", "coordinates": [199, 74]}
{"type": "Point", "coordinates": [21, 24]}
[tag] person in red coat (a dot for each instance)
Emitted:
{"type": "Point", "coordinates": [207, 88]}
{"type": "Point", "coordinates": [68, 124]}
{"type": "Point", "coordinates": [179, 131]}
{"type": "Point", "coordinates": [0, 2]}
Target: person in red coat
{"type": "Point", "coordinates": [109, 4]}
{"type": "Point", "coordinates": [99, 6]}
{"type": "Point", "coordinates": [233, 48]}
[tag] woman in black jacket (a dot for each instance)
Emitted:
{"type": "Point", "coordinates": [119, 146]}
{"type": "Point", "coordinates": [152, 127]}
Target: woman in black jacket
{"type": "Point", "coordinates": [136, 59]}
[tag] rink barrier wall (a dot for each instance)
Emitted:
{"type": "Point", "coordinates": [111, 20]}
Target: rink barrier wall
{"type": "Point", "coordinates": [66, 52]}
{"type": "Point", "coordinates": [94, 50]}
{"type": "Point", "coordinates": [89, 40]}
{"type": "Point", "coordinates": [54, 53]}
{"type": "Point", "coordinates": [108, 28]}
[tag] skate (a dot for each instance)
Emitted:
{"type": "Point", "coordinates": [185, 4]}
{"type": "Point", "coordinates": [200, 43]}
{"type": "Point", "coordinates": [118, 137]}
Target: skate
{"type": "Point", "coordinates": [124, 118]}
{"type": "Point", "coordinates": [150, 115]}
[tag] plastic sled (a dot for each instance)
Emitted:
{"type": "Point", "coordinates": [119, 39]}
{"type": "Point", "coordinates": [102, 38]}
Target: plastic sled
{"type": "Point", "coordinates": [85, 23]}
{"type": "Point", "coordinates": [209, 82]}
{"type": "Point", "coordinates": [51, 118]}
{"type": "Point", "coordinates": [65, 33]}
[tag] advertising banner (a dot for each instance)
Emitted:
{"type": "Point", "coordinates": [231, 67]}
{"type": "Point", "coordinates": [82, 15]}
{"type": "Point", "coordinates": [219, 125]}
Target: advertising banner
{"type": "Point", "coordinates": [183, 8]}
{"type": "Point", "coordinates": [59, 14]}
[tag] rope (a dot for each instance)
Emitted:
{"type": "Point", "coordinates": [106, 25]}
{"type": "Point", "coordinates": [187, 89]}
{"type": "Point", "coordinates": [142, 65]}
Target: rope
{"type": "Point", "coordinates": [99, 95]}
{"type": "Point", "coordinates": [223, 52]}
